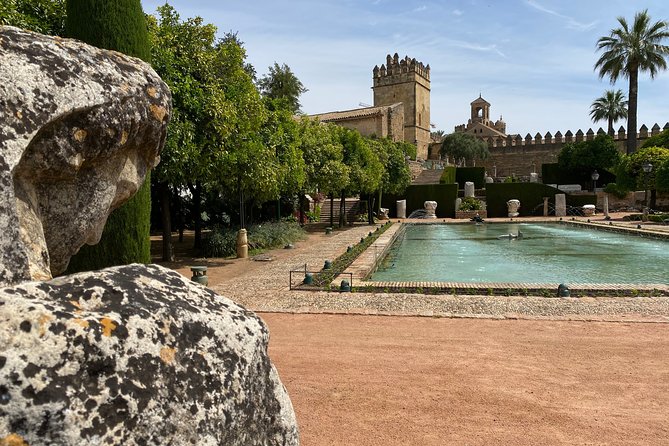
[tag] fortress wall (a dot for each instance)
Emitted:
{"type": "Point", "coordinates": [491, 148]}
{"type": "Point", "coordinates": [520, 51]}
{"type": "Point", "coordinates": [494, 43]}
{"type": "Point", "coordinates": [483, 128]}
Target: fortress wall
{"type": "Point", "coordinates": [522, 156]}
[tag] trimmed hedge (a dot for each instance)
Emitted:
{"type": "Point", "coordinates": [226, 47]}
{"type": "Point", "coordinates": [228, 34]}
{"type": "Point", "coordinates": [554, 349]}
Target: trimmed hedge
{"type": "Point", "coordinates": [474, 174]}
{"type": "Point", "coordinates": [416, 195]}
{"type": "Point", "coordinates": [530, 195]}
{"type": "Point", "coordinates": [448, 176]}
{"type": "Point", "coordinates": [552, 174]}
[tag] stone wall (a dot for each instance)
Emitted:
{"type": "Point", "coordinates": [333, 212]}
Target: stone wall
{"type": "Point", "coordinates": [521, 156]}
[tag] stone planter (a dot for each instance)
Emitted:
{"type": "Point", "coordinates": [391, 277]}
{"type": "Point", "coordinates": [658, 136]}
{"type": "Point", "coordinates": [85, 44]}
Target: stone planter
{"type": "Point", "coordinates": [470, 214]}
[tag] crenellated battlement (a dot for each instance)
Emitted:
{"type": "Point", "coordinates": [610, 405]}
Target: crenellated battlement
{"type": "Point", "coordinates": [568, 137]}
{"type": "Point", "coordinates": [397, 70]}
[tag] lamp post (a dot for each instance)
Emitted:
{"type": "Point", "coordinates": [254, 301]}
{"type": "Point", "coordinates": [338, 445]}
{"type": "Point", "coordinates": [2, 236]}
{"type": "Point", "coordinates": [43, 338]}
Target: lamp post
{"type": "Point", "coordinates": [595, 177]}
{"type": "Point", "coordinates": [647, 168]}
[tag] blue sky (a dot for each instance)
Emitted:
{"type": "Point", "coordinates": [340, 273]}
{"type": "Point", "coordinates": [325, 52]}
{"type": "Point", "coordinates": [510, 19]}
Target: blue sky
{"type": "Point", "coordinates": [531, 59]}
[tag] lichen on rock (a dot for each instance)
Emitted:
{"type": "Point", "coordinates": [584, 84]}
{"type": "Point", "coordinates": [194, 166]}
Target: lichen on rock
{"type": "Point", "coordinates": [80, 127]}
{"type": "Point", "coordinates": [136, 355]}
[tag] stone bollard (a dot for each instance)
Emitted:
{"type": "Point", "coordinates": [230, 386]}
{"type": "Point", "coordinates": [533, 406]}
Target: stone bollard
{"type": "Point", "coordinates": [534, 177]}
{"type": "Point", "coordinates": [489, 180]}
{"type": "Point", "coordinates": [606, 205]}
{"type": "Point", "coordinates": [242, 244]}
{"type": "Point", "coordinates": [469, 189]}
{"type": "Point", "coordinates": [458, 203]}
{"type": "Point", "coordinates": [560, 205]}
{"type": "Point", "coordinates": [401, 209]}
{"type": "Point", "coordinates": [545, 206]}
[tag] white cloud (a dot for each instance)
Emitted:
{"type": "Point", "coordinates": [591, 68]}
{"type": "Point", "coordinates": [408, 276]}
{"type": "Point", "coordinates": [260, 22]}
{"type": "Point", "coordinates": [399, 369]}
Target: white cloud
{"type": "Point", "coordinates": [420, 8]}
{"type": "Point", "coordinates": [457, 12]}
{"type": "Point", "coordinates": [571, 22]}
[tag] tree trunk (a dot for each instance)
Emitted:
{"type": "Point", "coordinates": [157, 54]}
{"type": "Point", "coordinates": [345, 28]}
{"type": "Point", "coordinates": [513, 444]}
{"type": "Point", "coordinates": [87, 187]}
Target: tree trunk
{"type": "Point", "coordinates": [631, 111]}
{"type": "Point", "coordinates": [653, 198]}
{"type": "Point", "coordinates": [611, 131]}
{"type": "Point", "coordinates": [165, 198]}
{"type": "Point", "coordinates": [196, 191]}
{"type": "Point", "coordinates": [370, 212]}
{"type": "Point", "coordinates": [332, 210]}
{"type": "Point", "coordinates": [342, 210]}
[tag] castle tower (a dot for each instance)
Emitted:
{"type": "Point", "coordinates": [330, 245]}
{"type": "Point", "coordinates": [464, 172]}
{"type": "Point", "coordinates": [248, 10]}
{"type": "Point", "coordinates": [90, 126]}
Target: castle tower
{"type": "Point", "coordinates": [406, 81]}
{"type": "Point", "coordinates": [480, 111]}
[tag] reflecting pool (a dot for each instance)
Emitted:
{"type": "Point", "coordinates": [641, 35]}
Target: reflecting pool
{"type": "Point", "coordinates": [541, 253]}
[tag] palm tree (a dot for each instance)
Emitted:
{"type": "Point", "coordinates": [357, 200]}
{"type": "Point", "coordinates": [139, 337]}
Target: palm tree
{"type": "Point", "coordinates": [630, 50]}
{"type": "Point", "coordinates": [612, 107]}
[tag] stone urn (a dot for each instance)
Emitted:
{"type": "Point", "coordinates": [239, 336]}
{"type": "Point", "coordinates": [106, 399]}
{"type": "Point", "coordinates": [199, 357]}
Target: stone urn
{"type": "Point", "coordinates": [588, 210]}
{"type": "Point", "coordinates": [513, 206]}
{"type": "Point", "coordinates": [430, 207]}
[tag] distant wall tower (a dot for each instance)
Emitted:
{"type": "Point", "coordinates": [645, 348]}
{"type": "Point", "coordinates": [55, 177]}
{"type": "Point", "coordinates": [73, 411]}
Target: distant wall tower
{"type": "Point", "coordinates": [406, 81]}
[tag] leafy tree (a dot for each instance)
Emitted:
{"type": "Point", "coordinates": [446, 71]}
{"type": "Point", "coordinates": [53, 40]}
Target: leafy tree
{"type": "Point", "coordinates": [662, 176]}
{"type": "Point", "coordinates": [630, 174]}
{"type": "Point", "coordinates": [628, 50]}
{"type": "Point", "coordinates": [366, 170]}
{"type": "Point", "coordinates": [659, 140]}
{"type": "Point", "coordinates": [462, 147]}
{"type": "Point", "coordinates": [437, 135]}
{"type": "Point", "coordinates": [281, 134]}
{"type": "Point", "coordinates": [585, 156]}
{"type": "Point", "coordinates": [610, 107]}
{"type": "Point", "coordinates": [42, 16]}
{"type": "Point", "coordinates": [323, 155]}
{"type": "Point", "coordinates": [120, 26]}
{"type": "Point", "coordinates": [396, 175]}
{"type": "Point", "coordinates": [213, 138]}
{"type": "Point", "coordinates": [282, 85]}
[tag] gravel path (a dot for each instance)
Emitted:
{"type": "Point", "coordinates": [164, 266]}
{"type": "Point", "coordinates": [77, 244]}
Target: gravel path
{"type": "Point", "coordinates": [263, 286]}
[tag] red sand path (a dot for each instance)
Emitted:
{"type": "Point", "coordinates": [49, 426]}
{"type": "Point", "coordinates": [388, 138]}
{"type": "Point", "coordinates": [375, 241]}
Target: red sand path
{"type": "Point", "coordinates": [359, 380]}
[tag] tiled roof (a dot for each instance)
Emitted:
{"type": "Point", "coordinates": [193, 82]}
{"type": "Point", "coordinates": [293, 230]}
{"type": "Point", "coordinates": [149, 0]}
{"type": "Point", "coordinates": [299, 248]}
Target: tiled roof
{"type": "Point", "coordinates": [352, 114]}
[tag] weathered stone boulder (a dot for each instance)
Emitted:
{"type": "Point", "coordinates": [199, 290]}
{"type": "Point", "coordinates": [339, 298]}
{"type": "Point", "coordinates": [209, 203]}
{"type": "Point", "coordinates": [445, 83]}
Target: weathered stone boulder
{"type": "Point", "coordinates": [136, 355]}
{"type": "Point", "coordinates": [79, 129]}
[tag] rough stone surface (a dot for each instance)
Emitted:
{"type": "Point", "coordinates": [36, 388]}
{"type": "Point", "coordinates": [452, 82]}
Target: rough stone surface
{"type": "Point", "coordinates": [136, 355]}
{"type": "Point", "coordinates": [79, 129]}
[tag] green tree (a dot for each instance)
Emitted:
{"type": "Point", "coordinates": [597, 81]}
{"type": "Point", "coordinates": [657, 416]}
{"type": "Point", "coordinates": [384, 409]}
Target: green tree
{"type": "Point", "coordinates": [119, 25]}
{"type": "Point", "coordinates": [282, 85]}
{"type": "Point", "coordinates": [213, 139]}
{"type": "Point", "coordinates": [42, 16]}
{"type": "Point", "coordinates": [463, 148]}
{"type": "Point", "coordinates": [366, 170]}
{"type": "Point", "coordinates": [631, 176]}
{"type": "Point", "coordinates": [281, 134]}
{"type": "Point", "coordinates": [396, 175]}
{"type": "Point", "coordinates": [628, 50]}
{"type": "Point", "coordinates": [585, 156]}
{"type": "Point", "coordinates": [659, 140]}
{"type": "Point", "coordinates": [610, 107]}
{"type": "Point", "coordinates": [323, 155]}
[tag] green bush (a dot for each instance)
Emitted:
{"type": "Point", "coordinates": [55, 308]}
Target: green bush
{"type": "Point", "coordinates": [315, 215]}
{"type": "Point", "coordinates": [474, 174]}
{"type": "Point", "coordinates": [270, 235]}
{"type": "Point", "coordinates": [470, 204]}
{"type": "Point", "coordinates": [615, 190]}
{"type": "Point", "coordinates": [448, 175]}
{"type": "Point", "coordinates": [416, 195]}
{"type": "Point", "coordinates": [531, 195]}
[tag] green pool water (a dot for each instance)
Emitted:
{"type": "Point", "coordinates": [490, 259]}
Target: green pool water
{"type": "Point", "coordinates": [547, 253]}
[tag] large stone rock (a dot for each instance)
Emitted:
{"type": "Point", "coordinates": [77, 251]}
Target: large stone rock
{"type": "Point", "coordinates": [79, 129]}
{"type": "Point", "coordinates": [135, 355]}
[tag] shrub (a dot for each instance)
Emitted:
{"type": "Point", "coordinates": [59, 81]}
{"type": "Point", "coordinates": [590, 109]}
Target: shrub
{"type": "Point", "coordinates": [223, 242]}
{"type": "Point", "coordinates": [470, 204]}
{"type": "Point", "coordinates": [615, 190]}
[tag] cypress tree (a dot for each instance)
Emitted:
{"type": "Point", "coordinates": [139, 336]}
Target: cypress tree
{"type": "Point", "coordinates": [118, 25]}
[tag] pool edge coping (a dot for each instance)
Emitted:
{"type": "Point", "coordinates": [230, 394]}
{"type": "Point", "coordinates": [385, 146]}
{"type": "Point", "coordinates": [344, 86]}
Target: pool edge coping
{"type": "Point", "coordinates": [367, 263]}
